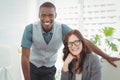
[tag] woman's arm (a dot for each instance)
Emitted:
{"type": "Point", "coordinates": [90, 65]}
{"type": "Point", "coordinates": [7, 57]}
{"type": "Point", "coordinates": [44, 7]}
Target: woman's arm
{"type": "Point", "coordinates": [65, 69]}
{"type": "Point", "coordinates": [98, 51]}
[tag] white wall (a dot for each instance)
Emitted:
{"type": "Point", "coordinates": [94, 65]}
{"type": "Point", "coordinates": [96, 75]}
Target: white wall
{"type": "Point", "coordinates": [14, 16]}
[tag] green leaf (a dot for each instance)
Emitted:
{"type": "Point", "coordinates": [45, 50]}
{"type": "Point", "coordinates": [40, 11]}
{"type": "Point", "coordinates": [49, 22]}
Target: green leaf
{"type": "Point", "coordinates": [113, 46]}
{"type": "Point", "coordinates": [108, 31]}
{"type": "Point", "coordinates": [95, 39]}
{"type": "Point", "coordinates": [107, 34]}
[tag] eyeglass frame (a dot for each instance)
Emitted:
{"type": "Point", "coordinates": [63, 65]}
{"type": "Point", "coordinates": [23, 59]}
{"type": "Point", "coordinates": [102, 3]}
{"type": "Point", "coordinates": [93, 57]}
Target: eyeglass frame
{"type": "Point", "coordinates": [76, 43]}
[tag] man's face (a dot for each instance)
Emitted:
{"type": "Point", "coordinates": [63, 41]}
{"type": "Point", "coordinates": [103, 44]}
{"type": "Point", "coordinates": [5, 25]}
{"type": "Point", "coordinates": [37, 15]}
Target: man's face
{"type": "Point", "coordinates": [47, 16]}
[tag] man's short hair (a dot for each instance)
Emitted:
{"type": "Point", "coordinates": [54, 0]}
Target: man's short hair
{"type": "Point", "coordinates": [48, 4]}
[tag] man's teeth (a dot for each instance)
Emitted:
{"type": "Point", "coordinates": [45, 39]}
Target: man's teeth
{"type": "Point", "coordinates": [47, 23]}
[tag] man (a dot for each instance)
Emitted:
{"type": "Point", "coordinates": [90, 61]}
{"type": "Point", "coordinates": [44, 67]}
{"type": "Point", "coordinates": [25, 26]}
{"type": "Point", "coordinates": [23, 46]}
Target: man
{"type": "Point", "coordinates": [40, 43]}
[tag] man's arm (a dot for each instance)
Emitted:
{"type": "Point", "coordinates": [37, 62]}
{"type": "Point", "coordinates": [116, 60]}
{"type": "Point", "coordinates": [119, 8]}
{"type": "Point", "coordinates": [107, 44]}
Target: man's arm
{"type": "Point", "coordinates": [25, 63]}
{"type": "Point", "coordinates": [98, 51]}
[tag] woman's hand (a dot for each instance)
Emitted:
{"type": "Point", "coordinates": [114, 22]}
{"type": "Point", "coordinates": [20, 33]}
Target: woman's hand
{"type": "Point", "coordinates": [69, 58]}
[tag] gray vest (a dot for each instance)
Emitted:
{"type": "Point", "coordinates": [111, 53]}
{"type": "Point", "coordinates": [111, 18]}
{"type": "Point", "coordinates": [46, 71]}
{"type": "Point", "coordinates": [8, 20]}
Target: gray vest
{"type": "Point", "coordinates": [43, 54]}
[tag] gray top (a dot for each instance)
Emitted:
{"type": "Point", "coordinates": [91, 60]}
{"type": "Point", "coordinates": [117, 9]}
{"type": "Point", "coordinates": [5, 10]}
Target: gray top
{"type": "Point", "coordinates": [28, 32]}
{"type": "Point", "coordinates": [44, 46]}
{"type": "Point", "coordinates": [43, 54]}
{"type": "Point", "coordinates": [91, 69]}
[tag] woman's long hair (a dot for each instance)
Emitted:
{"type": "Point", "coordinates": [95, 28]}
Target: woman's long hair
{"type": "Point", "coordinates": [82, 55]}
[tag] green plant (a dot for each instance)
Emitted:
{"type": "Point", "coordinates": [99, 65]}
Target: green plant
{"type": "Point", "coordinates": [106, 38]}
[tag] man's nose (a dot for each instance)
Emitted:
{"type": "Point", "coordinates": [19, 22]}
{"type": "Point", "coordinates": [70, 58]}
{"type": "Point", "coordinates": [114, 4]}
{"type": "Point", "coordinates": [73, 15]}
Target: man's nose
{"type": "Point", "coordinates": [47, 18]}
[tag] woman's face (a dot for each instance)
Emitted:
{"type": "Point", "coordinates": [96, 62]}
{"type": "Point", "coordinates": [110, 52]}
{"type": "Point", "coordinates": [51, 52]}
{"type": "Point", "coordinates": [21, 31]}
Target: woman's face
{"type": "Point", "coordinates": [74, 45]}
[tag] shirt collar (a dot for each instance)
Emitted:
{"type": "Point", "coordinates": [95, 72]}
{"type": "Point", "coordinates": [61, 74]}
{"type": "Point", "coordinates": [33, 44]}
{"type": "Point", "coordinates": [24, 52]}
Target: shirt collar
{"type": "Point", "coordinates": [50, 32]}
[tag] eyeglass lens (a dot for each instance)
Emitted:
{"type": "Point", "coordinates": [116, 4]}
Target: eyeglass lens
{"type": "Point", "coordinates": [76, 43]}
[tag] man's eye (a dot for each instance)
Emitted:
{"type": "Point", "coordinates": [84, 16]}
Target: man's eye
{"type": "Point", "coordinates": [43, 15]}
{"type": "Point", "coordinates": [50, 15]}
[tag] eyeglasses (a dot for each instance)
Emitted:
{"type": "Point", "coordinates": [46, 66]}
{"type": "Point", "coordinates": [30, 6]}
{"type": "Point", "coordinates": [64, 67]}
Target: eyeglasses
{"type": "Point", "coordinates": [76, 43]}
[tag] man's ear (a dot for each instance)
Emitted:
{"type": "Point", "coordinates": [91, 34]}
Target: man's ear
{"type": "Point", "coordinates": [39, 14]}
{"type": "Point", "coordinates": [55, 15]}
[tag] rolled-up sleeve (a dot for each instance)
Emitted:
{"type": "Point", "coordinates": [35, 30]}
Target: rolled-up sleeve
{"type": "Point", "coordinates": [27, 37]}
{"type": "Point", "coordinates": [65, 30]}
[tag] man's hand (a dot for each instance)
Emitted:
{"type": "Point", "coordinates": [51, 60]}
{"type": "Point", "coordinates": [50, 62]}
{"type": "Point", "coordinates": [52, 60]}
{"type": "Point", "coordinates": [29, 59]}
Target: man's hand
{"type": "Point", "coordinates": [112, 59]}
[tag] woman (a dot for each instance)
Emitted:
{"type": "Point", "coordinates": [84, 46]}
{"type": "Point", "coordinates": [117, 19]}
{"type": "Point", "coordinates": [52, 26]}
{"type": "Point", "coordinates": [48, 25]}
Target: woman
{"type": "Point", "coordinates": [78, 59]}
